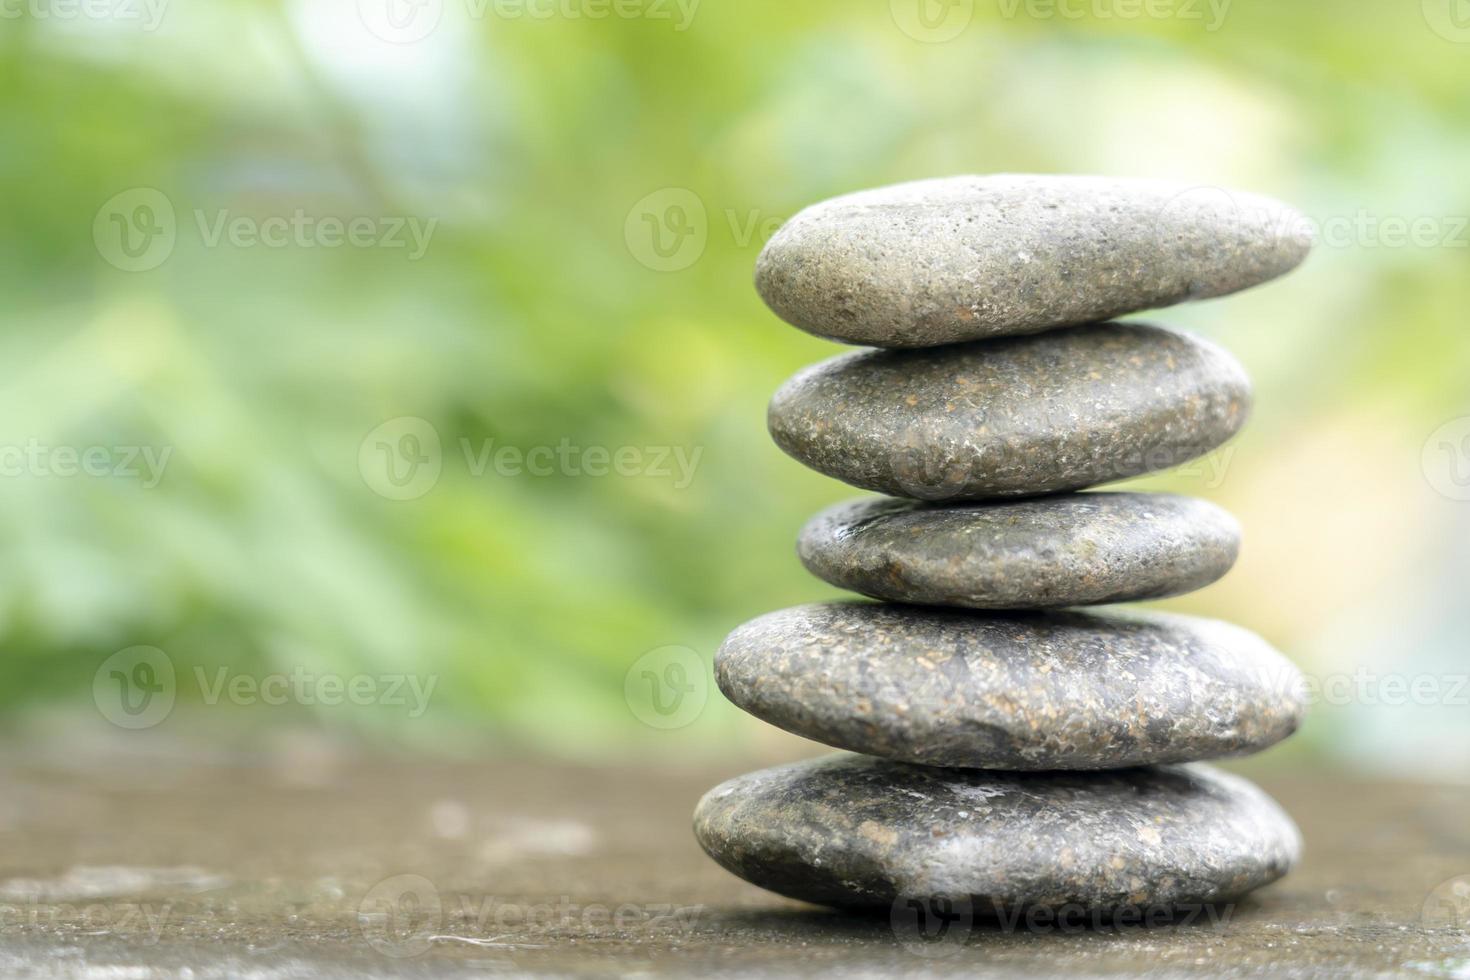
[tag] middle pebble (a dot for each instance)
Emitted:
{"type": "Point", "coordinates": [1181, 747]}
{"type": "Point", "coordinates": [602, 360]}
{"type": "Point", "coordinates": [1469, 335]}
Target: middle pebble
{"type": "Point", "coordinates": [1017, 416]}
{"type": "Point", "coordinates": [1076, 549]}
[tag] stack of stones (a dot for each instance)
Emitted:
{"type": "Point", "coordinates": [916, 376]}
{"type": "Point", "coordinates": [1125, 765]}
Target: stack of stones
{"type": "Point", "coordinates": [1016, 753]}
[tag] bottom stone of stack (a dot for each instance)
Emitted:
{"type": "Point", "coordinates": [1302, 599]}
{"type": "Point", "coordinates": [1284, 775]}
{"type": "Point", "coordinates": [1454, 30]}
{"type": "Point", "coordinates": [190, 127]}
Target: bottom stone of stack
{"type": "Point", "coordinates": [857, 832]}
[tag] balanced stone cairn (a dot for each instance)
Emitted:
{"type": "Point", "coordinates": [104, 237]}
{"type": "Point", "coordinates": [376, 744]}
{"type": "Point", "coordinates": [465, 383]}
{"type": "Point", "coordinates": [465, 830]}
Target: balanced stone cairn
{"type": "Point", "coordinates": [1016, 754]}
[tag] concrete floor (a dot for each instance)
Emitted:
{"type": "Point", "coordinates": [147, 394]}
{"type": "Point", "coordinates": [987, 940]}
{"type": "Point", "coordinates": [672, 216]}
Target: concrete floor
{"type": "Point", "coordinates": [354, 869]}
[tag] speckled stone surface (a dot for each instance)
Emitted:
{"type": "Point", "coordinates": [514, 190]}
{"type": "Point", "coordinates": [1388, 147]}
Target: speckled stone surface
{"type": "Point", "coordinates": [538, 868]}
{"type": "Point", "coordinates": [1023, 691]}
{"type": "Point", "coordinates": [852, 831]}
{"type": "Point", "coordinates": [963, 258]}
{"type": "Point", "coordinates": [1048, 552]}
{"type": "Point", "coordinates": [1063, 410]}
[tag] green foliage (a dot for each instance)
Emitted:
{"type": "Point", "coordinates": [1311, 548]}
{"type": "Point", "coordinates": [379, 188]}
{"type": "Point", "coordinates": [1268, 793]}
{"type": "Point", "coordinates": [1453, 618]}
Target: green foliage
{"type": "Point", "coordinates": [530, 319]}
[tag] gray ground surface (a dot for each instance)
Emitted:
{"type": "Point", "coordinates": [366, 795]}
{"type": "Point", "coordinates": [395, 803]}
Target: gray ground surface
{"type": "Point", "coordinates": [167, 869]}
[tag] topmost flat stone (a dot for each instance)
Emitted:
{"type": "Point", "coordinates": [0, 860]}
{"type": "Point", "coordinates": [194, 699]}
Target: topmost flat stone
{"type": "Point", "coordinates": [962, 258]}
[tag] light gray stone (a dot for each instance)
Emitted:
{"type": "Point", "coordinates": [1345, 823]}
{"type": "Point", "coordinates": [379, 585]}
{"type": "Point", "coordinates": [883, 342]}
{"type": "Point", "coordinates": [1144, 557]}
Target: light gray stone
{"type": "Point", "coordinates": [1021, 691]}
{"type": "Point", "coordinates": [850, 831]}
{"type": "Point", "coordinates": [964, 258]}
{"type": "Point", "coordinates": [1063, 410]}
{"type": "Point", "coordinates": [1069, 550]}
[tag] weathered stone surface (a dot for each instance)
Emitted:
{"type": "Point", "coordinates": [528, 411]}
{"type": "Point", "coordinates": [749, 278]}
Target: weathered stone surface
{"type": "Point", "coordinates": [1069, 550]}
{"type": "Point", "coordinates": [853, 831]}
{"type": "Point", "coordinates": [1022, 691]}
{"type": "Point", "coordinates": [318, 846]}
{"type": "Point", "coordinates": [1062, 410]}
{"type": "Point", "coordinates": [963, 258]}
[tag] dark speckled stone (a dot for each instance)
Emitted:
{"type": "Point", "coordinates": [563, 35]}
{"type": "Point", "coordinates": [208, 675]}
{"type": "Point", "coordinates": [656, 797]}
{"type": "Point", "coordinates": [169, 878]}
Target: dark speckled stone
{"type": "Point", "coordinates": [1070, 550]}
{"type": "Point", "coordinates": [1019, 416]}
{"type": "Point", "coordinates": [850, 831]}
{"type": "Point", "coordinates": [965, 258]}
{"type": "Point", "coordinates": [1024, 691]}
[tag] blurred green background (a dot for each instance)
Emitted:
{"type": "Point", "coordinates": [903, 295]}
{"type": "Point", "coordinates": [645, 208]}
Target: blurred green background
{"type": "Point", "coordinates": [590, 193]}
